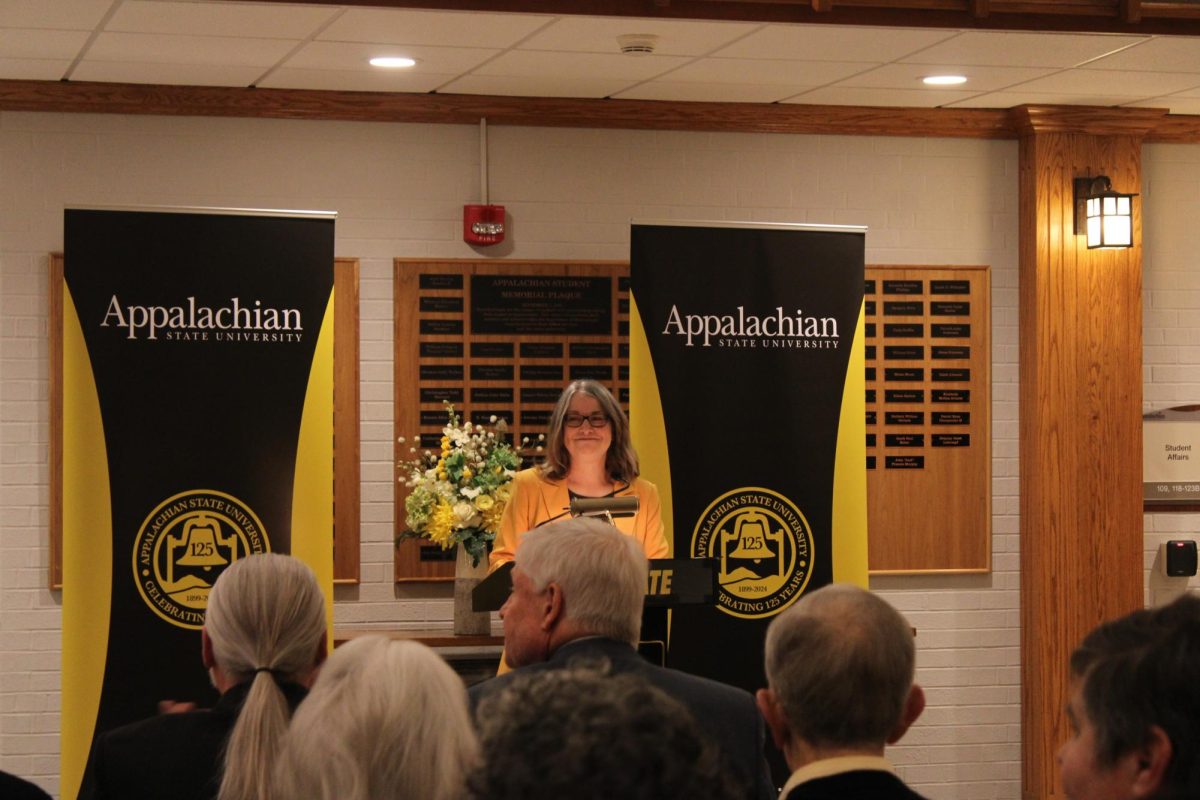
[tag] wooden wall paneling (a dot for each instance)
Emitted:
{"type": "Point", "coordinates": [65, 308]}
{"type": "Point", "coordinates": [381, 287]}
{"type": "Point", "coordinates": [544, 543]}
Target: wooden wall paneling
{"type": "Point", "coordinates": [345, 421]}
{"type": "Point", "coordinates": [935, 518]}
{"type": "Point", "coordinates": [534, 378]}
{"type": "Point", "coordinates": [1080, 426]}
{"type": "Point", "coordinates": [56, 415]}
{"type": "Point", "coordinates": [346, 460]}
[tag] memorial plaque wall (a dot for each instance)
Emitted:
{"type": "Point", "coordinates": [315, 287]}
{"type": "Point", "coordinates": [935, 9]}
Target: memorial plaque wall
{"type": "Point", "coordinates": [928, 364]}
{"type": "Point", "coordinates": [498, 339]}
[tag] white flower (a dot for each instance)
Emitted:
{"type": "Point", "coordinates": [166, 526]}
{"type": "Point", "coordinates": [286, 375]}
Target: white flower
{"type": "Point", "coordinates": [471, 492]}
{"type": "Point", "coordinates": [400, 439]}
{"type": "Point", "coordinates": [541, 437]}
{"type": "Point", "coordinates": [492, 419]}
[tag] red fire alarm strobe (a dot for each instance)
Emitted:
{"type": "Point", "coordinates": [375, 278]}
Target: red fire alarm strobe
{"type": "Point", "coordinates": [483, 225]}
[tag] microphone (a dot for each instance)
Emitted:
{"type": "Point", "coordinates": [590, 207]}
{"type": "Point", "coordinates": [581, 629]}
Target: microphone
{"type": "Point", "coordinates": [610, 507]}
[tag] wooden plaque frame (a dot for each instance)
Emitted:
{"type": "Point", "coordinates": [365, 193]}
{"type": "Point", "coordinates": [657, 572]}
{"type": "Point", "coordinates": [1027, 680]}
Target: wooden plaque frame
{"type": "Point", "coordinates": [936, 517]}
{"type": "Point", "coordinates": [451, 304]}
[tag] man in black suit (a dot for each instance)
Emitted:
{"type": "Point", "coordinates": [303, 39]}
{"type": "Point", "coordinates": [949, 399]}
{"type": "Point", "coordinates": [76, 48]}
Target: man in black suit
{"type": "Point", "coordinates": [577, 594]}
{"type": "Point", "coordinates": [839, 669]}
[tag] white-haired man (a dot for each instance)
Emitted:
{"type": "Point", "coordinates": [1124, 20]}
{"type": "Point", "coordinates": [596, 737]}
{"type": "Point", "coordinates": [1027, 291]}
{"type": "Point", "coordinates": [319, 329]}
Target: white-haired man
{"type": "Point", "coordinates": [839, 669]}
{"type": "Point", "coordinates": [578, 587]}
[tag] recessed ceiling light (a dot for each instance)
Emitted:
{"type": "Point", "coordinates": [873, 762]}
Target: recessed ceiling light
{"type": "Point", "coordinates": [944, 80]}
{"type": "Point", "coordinates": [393, 62]}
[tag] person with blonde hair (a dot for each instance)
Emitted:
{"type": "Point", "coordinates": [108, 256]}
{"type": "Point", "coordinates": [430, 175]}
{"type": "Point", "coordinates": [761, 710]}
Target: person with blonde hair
{"type": "Point", "coordinates": [386, 720]}
{"type": "Point", "coordinates": [589, 454]}
{"type": "Point", "coordinates": [262, 641]}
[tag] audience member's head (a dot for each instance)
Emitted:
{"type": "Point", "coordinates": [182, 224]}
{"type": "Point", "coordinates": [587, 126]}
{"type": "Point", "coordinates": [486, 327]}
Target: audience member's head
{"type": "Point", "coordinates": [575, 578]}
{"type": "Point", "coordinates": [1135, 707]}
{"type": "Point", "coordinates": [583, 734]}
{"type": "Point", "coordinates": [839, 667]}
{"type": "Point", "coordinates": [265, 625]}
{"type": "Point", "coordinates": [386, 720]}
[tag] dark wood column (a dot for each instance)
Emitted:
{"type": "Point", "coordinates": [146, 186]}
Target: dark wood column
{"type": "Point", "coordinates": [1080, 408]}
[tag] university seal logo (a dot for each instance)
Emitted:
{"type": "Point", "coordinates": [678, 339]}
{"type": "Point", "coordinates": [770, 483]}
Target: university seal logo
{"type": "Point", "coordinates": [763, 547]}
{"type": "Point", "coordinates": [184, 544]}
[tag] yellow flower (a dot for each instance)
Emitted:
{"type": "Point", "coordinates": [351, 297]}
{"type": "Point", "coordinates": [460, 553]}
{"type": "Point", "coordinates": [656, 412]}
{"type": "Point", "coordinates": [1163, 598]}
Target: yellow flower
{"type": "Point", "coordinates": [441, 525]}
{"type": "Point", "coordinates": [466, 473]}
{"type": "Point", "coordinates": [484, 502]}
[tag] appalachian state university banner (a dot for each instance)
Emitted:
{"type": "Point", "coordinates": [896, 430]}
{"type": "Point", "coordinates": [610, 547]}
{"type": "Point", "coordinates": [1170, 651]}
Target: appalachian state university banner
{"type": "Point", "coordinates": [747, 408]}
{"type": "Point", "coordinates": [197, 429]}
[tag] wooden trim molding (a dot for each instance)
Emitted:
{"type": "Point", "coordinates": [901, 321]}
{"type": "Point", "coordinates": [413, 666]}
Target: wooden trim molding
{"type": "Point", "coordinates": [346, 462]}
{"type": "Point", "coordinates": [118, 98]}
{"type": "Point", "coordinates": [56, 412]}
{"type": "Point", "coordinates": [1156, 125]}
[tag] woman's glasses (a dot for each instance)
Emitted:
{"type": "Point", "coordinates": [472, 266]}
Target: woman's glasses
{"type": "Point", "coordinates": [593, 420]}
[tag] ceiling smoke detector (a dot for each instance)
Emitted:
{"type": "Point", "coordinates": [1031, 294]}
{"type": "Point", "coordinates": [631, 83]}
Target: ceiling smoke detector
{"type": "Point", "coordinates": [637, 44]}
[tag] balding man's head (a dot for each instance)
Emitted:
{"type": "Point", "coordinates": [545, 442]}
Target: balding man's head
{"type": "Point", "coordinates": [840, 665]}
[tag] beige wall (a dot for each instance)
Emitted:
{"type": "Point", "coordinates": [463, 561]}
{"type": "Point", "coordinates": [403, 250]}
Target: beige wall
{"type": "Point", "coordinates": [398, 190]}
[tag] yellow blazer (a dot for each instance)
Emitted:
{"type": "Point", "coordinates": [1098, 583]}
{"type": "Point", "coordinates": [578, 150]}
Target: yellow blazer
{"type": "Point", "coordinates": [536, 499]}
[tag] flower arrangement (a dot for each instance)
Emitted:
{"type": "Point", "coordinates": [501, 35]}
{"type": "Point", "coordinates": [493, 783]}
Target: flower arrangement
{"type": "Point", "coordinates": [458, 495]}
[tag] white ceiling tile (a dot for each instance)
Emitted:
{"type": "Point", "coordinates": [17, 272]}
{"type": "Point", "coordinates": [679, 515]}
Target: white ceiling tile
{"type": "Point", "coordinates": [444, 28]}
{"type": "Point", "coordinates": [748, 71]}
{"type": "Point", "coordinates": [39, 44]}
{"type": "Point", "coordinates": [1001, 48]}
{"type": "Point", "coordinates": [579, 66]}
{"type": "Point", "coordinates": [262, 20]}
{"type": "Point", "coordinates": [833, 43]}
{"type": "Point", "coordinates": [33, 69]}
{"type": "Point", "coordinates": [1095, 81]}
{"type": "Point", "coordinates": [855, 96]}
{"type": "Point", "coordinates": [1019, 97]}
{"type": "Point", "coordinates": [344, 80]}
{"type": "Point", "coordinates": [979, 79]}
{"type": "Point", "coordinates": [355, 55]}
{"type": "Point", "coordinates": [1160, 54]}
{"type": "Point", "coordinates": [74, 15]}
{"type": "Point", "coordinates": [548, 85]}
{"type": "Point", "coordinates": [163, 49]}
{"type": "Point", "coordinates": [599, 35]}
{"type": "Point", "coordinates": [182, 74]}
{"type": "Point", "coordinates": [709, 92]}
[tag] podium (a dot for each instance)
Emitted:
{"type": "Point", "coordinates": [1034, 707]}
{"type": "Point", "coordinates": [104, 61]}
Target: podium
{"type": "Point", "coordinates": [671, 582]}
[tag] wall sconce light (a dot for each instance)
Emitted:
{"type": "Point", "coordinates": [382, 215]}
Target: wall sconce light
{"type": "Point", "coordinates": [1104, 215]}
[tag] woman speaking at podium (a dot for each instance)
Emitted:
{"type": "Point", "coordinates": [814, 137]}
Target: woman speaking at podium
{"type": "Point", "coordinates": [589, 455]}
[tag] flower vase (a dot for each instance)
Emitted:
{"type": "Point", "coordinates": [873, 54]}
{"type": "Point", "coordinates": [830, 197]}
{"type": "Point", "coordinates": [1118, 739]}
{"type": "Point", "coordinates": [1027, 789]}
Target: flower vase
{"type": "Point", "coordinates": [468, 622]}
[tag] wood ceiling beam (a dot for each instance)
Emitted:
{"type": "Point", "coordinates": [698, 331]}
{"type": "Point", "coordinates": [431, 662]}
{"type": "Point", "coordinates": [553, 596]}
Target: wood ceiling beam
{"type": "Point", "coordinates": [457, 109]}
{"type": "Point", "coordinates": [1095, 16]}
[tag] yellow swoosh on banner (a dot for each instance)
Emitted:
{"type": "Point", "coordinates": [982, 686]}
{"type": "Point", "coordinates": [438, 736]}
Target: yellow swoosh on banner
{"type": "Point", "coordinates": [312, 487]}
{"type": "Point", "coordinates": [849, 534]}
{"type": "Point", "coordinates": [87, 551]}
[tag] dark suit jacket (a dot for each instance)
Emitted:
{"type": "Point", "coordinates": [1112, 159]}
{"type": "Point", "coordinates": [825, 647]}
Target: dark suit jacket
{"type": "Point", "coordinates": [14, 788]}
{"type": "Point", "coordinates": [168, 757]}
{"type": "Point", "coordinates": [858, 784]}
{"type": "Point", "coordinates": [726, 714]}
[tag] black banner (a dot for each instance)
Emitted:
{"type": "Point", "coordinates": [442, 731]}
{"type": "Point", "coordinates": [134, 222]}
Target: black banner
{"type": "Point", "coordinates": [193, 350]}
{"type": "Point", "coordinates": [749, 334]}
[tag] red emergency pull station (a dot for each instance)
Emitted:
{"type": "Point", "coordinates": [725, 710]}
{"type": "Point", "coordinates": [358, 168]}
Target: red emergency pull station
{"type": "Point", "coordinates": [483, 224]}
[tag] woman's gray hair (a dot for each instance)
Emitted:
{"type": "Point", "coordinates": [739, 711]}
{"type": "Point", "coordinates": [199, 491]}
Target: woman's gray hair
{"type": "Point", "coordinates": [622, 460]}
{"type": "Point", "coordinates": [385, 720]}
{"type": "Point", "coordinates": [265, 612]}
{"type": "Point", "coordinates": [841, 664]}
{"type": "Point", "coordinates": [602, 573]}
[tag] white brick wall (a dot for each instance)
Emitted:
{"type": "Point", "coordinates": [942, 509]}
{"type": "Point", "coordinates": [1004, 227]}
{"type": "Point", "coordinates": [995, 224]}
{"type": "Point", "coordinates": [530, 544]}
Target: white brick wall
{"type": "Point", "coordinates": [571, 193]}
{"type": "Point", "coordinates": [1171, 324]}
